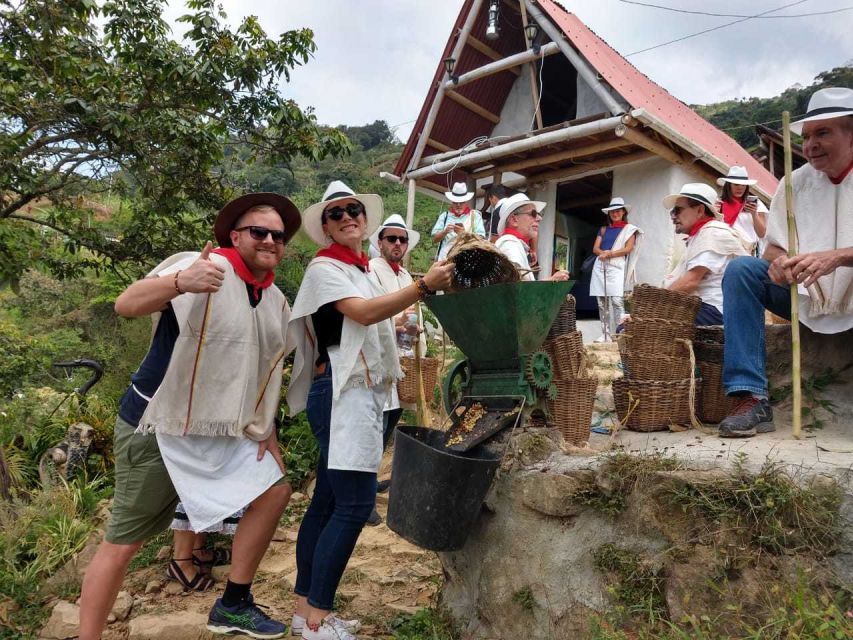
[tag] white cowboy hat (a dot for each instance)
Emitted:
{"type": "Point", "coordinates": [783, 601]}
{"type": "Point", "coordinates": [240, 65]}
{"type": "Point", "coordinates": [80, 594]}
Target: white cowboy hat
{"type": "Point", "coordinates": [312, 217]}
{"type": "Point", "coordinates": [509, 205]}
{"type": "Point", "coordinates": [832, 102]}
{"type": "Point", "coordinates": [704, 193]}
{"type": "Point", "coordinates": [395, 221]}
{"type": "Point", "coordinates": [617, 203]}
{"type": "Point", "coordinates": [736, 175]}
{"type": "Point", "coordinates": [459, 193]}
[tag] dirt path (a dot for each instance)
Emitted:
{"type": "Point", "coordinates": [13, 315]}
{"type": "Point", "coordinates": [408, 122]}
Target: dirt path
{"type": "Point", "coordinates": [385, 578]}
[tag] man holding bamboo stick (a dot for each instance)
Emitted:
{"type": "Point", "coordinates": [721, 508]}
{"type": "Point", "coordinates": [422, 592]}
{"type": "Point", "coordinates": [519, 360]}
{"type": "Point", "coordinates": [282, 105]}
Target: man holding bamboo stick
{"type": "Point", "coordinates": [821, 268]}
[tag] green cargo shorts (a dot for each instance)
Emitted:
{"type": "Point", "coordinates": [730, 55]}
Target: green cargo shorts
{"type": "Point", "coordinates": [144, 500]}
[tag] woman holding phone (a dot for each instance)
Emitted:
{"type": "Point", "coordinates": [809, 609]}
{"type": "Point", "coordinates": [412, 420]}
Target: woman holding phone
{"type": "Point", "coordinates": [745, 213]}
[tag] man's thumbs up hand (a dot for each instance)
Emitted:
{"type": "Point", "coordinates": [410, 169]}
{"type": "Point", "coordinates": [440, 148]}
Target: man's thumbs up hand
{"type": "Point", "coordinates": [202, 276]}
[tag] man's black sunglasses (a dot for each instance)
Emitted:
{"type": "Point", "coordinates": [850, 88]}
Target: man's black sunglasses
{"type": "Point", "coordinates": [260, 233]}
{"type": "Point", "coordinates": [353, 209]}
{"type": "Point", "coordinates": [396, 239]}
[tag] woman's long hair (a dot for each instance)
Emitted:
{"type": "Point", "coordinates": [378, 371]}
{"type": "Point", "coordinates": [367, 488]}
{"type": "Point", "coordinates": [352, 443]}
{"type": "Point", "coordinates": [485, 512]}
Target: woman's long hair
{"type": "Point", "coordinates": [727, 195]}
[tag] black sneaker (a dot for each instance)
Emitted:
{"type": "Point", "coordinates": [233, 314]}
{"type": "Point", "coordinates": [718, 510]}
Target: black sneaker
{"type": "Point", "coordinates": [749, 416]}
{"type": "Point", "coordinates": [245, 618]}
{"type": "Point", "coordinates": [374, 520]}
{"type": "Point", "coordinates": [383, 485]}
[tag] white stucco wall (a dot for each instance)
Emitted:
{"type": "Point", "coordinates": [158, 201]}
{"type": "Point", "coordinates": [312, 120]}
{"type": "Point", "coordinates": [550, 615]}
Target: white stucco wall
{"type": "Point", "coordinates": [644, 185]}
{"type": "Point", "coordinates": [517, 112]}
{"type": "Point", "coordinates": [588, 103]}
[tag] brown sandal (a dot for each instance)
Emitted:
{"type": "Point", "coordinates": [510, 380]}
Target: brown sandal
{"type": "Point", "coordinates": [200, 582]}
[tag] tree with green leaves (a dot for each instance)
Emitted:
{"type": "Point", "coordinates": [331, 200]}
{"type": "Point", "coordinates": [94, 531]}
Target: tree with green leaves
{"type": "Point", "coordinates": [99, 99]}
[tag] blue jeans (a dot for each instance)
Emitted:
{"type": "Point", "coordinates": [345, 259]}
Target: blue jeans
{"type": "Point", "coordinates": [341, 504]}
{"type": "Point", "coordinates": [747, 292]}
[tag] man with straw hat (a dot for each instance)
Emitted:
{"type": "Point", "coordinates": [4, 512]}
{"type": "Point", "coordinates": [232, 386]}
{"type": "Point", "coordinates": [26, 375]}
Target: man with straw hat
{"type": "Point", "coordinates": [711, 245]}
{"type": "Point", "coordinates": [518, 224]}
{"type": "Point", "coordinates": [198, 420]}
{"type": "Point", "coordinates": [459, 218]}
{"type": "Point", "coordinates": [393, 240]}
{"type": "Point", "coordinates": [823, 210]}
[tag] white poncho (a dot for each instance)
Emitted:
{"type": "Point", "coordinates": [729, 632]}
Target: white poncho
{"type": "Point", "coordinates": [824, 215]}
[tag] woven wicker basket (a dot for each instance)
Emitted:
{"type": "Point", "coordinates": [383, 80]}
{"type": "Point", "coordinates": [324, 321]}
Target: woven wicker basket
{"type": "Point", "coordinates": [407, 388]}
{"type": "Point", "coordinates": [710, 334]}
{"type": "Point", "coordinates": [715, 405]}
{"type": "Point", "coordinates": [650, 334]}
{"type": "Point", "coordinates": [479, 264]}
{"type": "Point", "coordinates": [571, 412]}
{"type": "Point", "coordinates": [569, 356]}
{"type": "Point", "coordinates": [653, 302]}
{"type": "Point", "coordinates": [640, 364]}
{"type": "Point", "coordinates": [708, 345]}
{"type": "Point", "coordinates": [653, 405]}
{"type": "Point", "coordinates": [565, 321]}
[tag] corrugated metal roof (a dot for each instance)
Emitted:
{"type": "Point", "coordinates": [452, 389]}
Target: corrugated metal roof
{"type": "Point", "coordinates": [455, 126]}
{"type": "Point", "coordinates": [641, 93]}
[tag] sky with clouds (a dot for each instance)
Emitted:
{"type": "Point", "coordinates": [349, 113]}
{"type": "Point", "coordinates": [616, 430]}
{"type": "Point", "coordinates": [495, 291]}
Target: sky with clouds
{"type": "Point", "coordinates": [375, 58]}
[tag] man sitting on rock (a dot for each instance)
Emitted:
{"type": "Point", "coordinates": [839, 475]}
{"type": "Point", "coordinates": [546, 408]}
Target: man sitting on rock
{"type": "Point", "coordinates": [823, 210]}
{"type": "Point", "coordinates": [711, 245]}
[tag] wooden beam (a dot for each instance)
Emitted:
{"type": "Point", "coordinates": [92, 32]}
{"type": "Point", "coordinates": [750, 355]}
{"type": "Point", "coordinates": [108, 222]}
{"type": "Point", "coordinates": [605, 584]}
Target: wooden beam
{"type": "Point", "coordinates": [589, 168]}
{"type": "Point", "coordinates": [664, 151]}
{"type": "Point", "coordinates": [435, 144]}
{"type": "Point", "coordinates": [510, 63]}
{"type": "Point", "coordinates": [559, 156]}
{"type": "Point", "coordinates": [487, 51]}
{"type": "Point", "coordinates": [472, 106]}
{"type": "Point", "coordinates": [534, 85]}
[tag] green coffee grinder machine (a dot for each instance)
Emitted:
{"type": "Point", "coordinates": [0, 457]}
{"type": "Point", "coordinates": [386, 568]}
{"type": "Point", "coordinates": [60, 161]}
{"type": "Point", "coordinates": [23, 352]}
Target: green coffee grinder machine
{"type": "Point", "coordinates": [505, 377]}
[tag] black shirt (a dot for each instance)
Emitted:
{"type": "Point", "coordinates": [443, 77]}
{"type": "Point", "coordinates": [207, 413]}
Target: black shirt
{"type": "Point", "coordinates": [328, 325]}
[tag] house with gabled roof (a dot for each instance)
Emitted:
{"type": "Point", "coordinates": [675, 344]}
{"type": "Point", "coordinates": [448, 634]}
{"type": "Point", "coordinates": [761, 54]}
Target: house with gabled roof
{"type": "Point", "coordinates": [553, 110]}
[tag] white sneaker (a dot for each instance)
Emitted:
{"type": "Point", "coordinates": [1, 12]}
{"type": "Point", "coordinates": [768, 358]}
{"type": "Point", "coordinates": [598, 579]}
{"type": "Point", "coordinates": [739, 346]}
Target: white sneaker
{"type": "Point", "coordinates": [298, 624]}
{"type": "Point", "coordinates": [328, 630]}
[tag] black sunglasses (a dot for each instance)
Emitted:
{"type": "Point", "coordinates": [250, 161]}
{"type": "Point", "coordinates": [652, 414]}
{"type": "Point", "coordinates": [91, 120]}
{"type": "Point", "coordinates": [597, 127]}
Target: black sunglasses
{"type": "Point", "coordinates": [396, 239]}
{"type": "Point", "coordinates": [353, 210]}
{"type": "Point", "coordinates": [260, 233]}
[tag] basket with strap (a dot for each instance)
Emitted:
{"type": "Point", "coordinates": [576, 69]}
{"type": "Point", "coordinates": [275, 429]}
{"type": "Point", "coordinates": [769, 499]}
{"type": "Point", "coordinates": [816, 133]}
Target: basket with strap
{"type": "Point", "coordinates": [715, 405]}
{"type": "Point", "coordinates": [565, 322]}
{"type": "Point", "coordinates": [654, 302]}
{"type": "Point", "coordinates": [569, 356]}
{"type": "Point", "coordinates": [652, 405]}
{"type": "Point", "coordinates": [571, 411]}
{"type": "Point", "coordinates": [709, 344]}
{"type": "Point", "coordinates": [407, 388]}
{"type": "Point", "coordinates": [647, 366]}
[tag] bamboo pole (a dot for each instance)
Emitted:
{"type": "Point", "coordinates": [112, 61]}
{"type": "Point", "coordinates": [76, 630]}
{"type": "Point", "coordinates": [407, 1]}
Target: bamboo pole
{"type": "Point", "coordinates": [424, 418]}
{"type": "Point", "coordinates": [796, 374]}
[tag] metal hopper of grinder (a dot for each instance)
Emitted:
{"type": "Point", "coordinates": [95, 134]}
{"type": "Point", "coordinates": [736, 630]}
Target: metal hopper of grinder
{"type": "Point", "coordinates": [500, 329]}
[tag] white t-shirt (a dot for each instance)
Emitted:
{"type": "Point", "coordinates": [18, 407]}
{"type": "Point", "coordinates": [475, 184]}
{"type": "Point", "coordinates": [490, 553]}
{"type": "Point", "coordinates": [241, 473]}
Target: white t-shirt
{"type": "Point", "coordinates": [710, 289]}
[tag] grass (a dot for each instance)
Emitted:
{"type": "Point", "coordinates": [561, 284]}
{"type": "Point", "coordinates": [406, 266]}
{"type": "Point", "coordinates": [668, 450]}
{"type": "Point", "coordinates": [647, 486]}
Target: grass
{"type": "Point", "coordinates": [525, 599]}
{"type": "Point", "coordinates": [622, 474]}
{"type": "Point", "coordinates": [636, 585]}
{"type": "Point", "coordinates": [147, 555]}
{"type": "Point", "coordinates": [767, 510]}
{"type": "Point", "coordinates": [426, 624]}
{"type": "Point", "coordinates": [814, 403]}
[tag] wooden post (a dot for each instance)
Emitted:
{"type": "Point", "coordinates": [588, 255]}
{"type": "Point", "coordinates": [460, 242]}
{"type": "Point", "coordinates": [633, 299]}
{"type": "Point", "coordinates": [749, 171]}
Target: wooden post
{"type": "Point", "coordinates": [410, 215]}
{"type": "Point", "coordinates": [796, 374]}
{"type": "Point", "coordinates": [424, 418]}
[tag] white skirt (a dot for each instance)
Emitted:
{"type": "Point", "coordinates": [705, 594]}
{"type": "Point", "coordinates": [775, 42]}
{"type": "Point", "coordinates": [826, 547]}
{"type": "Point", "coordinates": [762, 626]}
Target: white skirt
{"type": "Point", "coordinates": [355, 433]}
{"type": "Point", "coordinates": [216, 476]}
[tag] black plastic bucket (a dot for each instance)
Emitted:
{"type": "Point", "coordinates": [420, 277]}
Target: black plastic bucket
{"type": "Point", "coordinates": [436, 495]}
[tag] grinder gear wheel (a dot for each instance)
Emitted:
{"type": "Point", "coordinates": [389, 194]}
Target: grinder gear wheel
{"type": "Point", "coordinates": [539, 370]}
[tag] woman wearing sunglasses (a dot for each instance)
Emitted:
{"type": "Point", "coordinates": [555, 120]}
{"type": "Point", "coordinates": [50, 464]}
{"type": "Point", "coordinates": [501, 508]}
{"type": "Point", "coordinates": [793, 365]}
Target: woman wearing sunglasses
{"type": "Point", "coordinates": [345, 366]}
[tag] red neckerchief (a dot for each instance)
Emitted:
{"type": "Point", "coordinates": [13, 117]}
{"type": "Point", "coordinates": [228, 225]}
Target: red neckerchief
{"type": "Point", "coordinates": [701, 223]}
{"type": "Point", "coordinates": [840, 179]}
{"type": "Point", "coordinates": [243, 272]}
{"type": "Point", "coordinates": [513, 232]}
{"type": "Point", "coordinates": [618, 224]}
{"type": "Point", "coordinates": [346, 255]}
{"type": "Point", "coordinates": [731, 210]}
{"type": "Point", "coordinates": [464, 212]}
{"type": "Point", "coordinates": [395, 267]}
